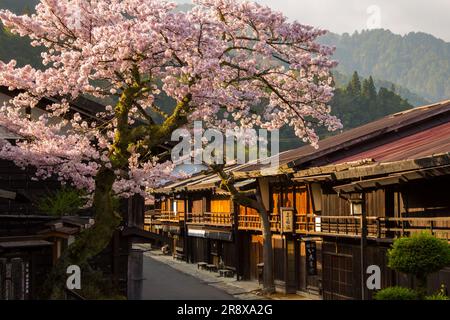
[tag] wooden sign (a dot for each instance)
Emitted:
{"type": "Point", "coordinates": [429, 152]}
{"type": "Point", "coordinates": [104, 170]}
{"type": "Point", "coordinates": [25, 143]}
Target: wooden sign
{"type": "Point", "coordinates": [311, 258]}
{"type": "Point", "coordinates": [287, 220]}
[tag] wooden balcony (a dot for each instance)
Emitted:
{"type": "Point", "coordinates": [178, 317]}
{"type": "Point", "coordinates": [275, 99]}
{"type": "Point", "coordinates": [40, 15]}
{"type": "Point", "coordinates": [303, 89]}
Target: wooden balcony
{"type": "Point", "coordinates": [377, 227]}
{"type": "Point", "coordinates": [218, 219]}
{"type": "Point", "coordinates": [439, 226]}
{"type": "Point", "coordinates": [156, 217]}
{"type": "Point", "coordinates": [171, 216]}
{"type": "Point", "coordinates": [335, 225]}
{"type": "Point", "coordinates": [253, 222]}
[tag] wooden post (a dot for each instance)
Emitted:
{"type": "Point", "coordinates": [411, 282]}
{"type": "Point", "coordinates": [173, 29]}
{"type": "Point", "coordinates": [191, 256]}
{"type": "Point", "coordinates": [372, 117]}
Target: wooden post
{"type": "Point", "coordinates": [235, 212]}
{"type": "Point", "coordinates": [363, 245]}
{"type": "Point", "coordinates": [185, 232]}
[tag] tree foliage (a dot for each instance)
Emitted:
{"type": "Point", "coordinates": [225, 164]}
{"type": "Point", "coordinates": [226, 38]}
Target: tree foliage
{"type": "Point", "coordinates": [216, 63]}
{"type": "Point", "coordinates": [64, 202]}
{"type": "Point", "coordinates": [356, 104]}
{"type": "Point", "coordinates": [417, 61]}
{"type": "Point", "coordinates": [396, 293]}
{"type": "Point", "coordinates": [359, 104]}
{"type": "Point", "coordinates": [420, 254]}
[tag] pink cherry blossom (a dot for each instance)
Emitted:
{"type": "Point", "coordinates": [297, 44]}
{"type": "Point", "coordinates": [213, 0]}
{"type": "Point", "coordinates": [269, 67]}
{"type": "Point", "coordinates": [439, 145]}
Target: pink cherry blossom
{"type": "Point", "coordinates": [226, 55]}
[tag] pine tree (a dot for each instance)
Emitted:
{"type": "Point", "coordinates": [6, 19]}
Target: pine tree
{"type": "Point", "coordinates": [354, 87]}
{"type": "Point", "coordinates": [368, 89]}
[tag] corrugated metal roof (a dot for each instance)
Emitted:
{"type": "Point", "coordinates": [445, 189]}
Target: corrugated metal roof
{"type": "Point", "coordinates": [372, 130]}
{"type": "Point", "coordinates": [425, 143]}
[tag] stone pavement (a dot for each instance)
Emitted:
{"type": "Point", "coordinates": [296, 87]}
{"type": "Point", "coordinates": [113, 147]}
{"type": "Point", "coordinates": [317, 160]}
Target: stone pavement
{"type": "Point", "coordinates": [243, 290]}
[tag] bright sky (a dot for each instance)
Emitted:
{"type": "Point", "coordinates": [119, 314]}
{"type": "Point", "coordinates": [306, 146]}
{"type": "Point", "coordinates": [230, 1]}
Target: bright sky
{"type": "Point", "coordinates": [400, 16]}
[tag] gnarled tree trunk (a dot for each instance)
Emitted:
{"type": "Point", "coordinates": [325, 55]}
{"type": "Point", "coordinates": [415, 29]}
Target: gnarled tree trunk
{"type": "Point", "coordinates": [268, 279]}
{"type": "Point", "coordinates": [246, 199]}
{"type": "Point", "coordinates": [91, 241]}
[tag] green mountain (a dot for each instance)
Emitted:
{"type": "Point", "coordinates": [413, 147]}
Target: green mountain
{"type": "Point", "coordinates": [417, 61]}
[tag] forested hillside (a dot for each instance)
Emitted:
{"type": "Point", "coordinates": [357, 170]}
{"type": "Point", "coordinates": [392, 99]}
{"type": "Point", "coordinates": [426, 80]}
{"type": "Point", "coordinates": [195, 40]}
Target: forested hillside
{"type": "Point", "coordinates": [356, 103]}
{"type": "Point", "coordinates": [414, 99]}
{"type": "Point", "coordinates": [417, 61]}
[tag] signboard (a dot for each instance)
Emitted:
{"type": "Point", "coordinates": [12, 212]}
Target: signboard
{"type": "Point", "coordinates": [311, 258]}
{"type": "Point", "coordinates": [287, 220]}
{"type": "Point", "coordinates": [199, 233]}
{"type": "Point", "coordinates": [317, 224]}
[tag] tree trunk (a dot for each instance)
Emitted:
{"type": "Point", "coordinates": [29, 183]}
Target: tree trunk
{"type": "Point", "coordinates": [242, 198]}
{"type": "Point", "coordinates": [422, 285]}
{"type": "Point", "coordinates": [91, 241]}
{"type": "Point", "coordinates": [268, 279]}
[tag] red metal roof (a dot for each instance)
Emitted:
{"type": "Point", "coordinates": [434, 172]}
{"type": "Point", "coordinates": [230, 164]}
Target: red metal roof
{"type": "Point", "coordinates": [331, 148]}
{"type": "Point", "coordinates": [425, 143]}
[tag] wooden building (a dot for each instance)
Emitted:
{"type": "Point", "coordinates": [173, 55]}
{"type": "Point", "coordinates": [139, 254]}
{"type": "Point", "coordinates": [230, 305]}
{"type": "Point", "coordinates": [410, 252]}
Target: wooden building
{"type": "Point", "coordinates": [31, 241]}
{"type": "Point", "coordinates": [320, 201]}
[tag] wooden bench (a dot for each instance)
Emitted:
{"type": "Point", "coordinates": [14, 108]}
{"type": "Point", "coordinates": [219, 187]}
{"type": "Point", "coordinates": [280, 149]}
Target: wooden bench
{"type": "Point", "coordinates": [201, 265]}
{"type": "Point", "coordinates": [226, 273]}
{"type": "Point", "coordinates": [211, 267]}
{"type": "Point", "coordinates": [179, 256]}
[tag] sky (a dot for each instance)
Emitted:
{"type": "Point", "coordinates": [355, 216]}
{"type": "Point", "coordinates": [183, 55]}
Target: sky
{"type": "Point", "coordinates": [399, 16]}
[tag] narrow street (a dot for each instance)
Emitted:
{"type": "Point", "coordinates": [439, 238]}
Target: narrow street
{"type": "Point", "coordinates": [161, 282]}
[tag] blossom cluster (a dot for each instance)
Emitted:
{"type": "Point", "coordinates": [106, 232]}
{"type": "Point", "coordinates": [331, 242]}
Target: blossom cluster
{"type": "Point", "coordinates": [240, 64]}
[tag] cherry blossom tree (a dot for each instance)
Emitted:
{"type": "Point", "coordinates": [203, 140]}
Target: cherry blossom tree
{"type": "Point", "coordinates": [218, 62]}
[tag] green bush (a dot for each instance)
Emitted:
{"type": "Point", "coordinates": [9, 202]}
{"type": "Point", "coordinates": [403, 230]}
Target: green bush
{"type": "Point", "coordinates": [396, 293]}
{"type": "Point", "coordinates": [64, 202]}
{"type": "Point", "coordinates": [438, 296]}
{"type": "Point", "coordinates": [419, 255]}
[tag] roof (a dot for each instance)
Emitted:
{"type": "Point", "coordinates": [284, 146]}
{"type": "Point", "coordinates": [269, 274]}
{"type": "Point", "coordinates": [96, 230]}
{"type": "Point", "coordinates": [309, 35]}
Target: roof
{"type": "Point", "coordinates": [393, 179]}
{"type": "Point", "coordinates": [206, 180]}
{"type": "Point", "coordinates": [419, 167]}
{"type": "Point", "coordinates": [424, 143]}
{"type": "Point", "coordinates": [24, 243]}
{"type": "Point", "coordinates": [86, 107]}
{"type": "Point", "coordinates": [334, 147]}
{"type": "Point", "coordinates": [412, 134]}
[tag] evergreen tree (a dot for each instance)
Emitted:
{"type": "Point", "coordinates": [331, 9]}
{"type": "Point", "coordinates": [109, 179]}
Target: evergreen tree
{"type": "Point", "coordinates": [355, 107]}
{"type": "Point", "coordinates": [369, 90]}
{"type": "Point", "coordinates": [354, 87]}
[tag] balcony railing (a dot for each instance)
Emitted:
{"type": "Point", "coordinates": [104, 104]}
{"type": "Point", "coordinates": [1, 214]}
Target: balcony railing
{"type": "Point", "coordinates": [220, 219]}
{"type": "Point", "coordinates": [253, 222]}
{"type": "Point", "coordinates": [377, 227]}
{"type": "Point", "coordinates": [439, 226]}
{"type": "Point", "coordinates": [151, 217]}
{"type": "Point", "coordinates": [171, 216]}
{"type": "Point", "coordinates": [346, 226]}
{"type": "Point", "coordinates": [335, 225]}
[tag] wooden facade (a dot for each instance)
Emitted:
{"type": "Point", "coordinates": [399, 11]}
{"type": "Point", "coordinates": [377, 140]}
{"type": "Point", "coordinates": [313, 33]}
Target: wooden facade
{"type": "Point", "coordinates": [394, 170]}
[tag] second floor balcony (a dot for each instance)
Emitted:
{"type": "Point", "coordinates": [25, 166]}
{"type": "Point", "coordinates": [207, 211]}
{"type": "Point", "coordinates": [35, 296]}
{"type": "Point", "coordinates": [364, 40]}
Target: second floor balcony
{"type": "Point", "coordinates": [323, 225]}
{"type": "Point", "coordinates": [253, 222]}
{"type": "Point", "coordinates": [218, 219]}
{"type": "Point", "coordinates": [377, 227]}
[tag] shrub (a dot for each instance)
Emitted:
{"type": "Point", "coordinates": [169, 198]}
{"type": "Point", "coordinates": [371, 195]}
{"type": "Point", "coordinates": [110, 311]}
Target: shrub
{"type": "Point", "coordinates": [419, 255]}
{"type": "Point", "coordinates": [438, 296]}
{"type": "Point", "coordinates": [396, 293]}
{"type": "Point", "coordinates": [64, 202]}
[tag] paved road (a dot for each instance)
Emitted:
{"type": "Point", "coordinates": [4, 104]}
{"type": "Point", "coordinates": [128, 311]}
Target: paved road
{"type": "Point", "coordinates": [165, 283]}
